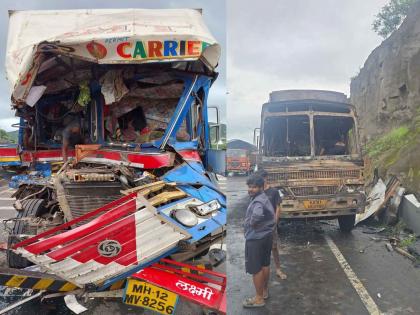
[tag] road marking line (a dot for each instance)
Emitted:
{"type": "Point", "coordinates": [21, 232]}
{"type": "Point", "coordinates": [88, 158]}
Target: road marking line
{"type": "Point", "coordinates": [356, 283]}
{"type": "Point", "coordinates": [7, 208]}
{"type": "Point", "coordinates": [7, 199]}
{"type": "Point", "coordinates": [6, 190]}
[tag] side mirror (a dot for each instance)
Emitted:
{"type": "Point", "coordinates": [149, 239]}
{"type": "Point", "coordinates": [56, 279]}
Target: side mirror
{"type": "Point", "coordinates": [216, 138]}
{"type": "Point", "coordinates": [256, 137]}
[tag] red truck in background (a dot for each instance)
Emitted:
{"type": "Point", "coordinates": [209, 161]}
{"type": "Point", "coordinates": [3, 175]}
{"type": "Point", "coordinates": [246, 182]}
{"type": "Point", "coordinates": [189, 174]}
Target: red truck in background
{"type": "Point", "coordinates": [238, 161]}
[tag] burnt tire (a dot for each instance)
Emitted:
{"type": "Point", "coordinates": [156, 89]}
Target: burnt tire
{"type": "Point", "coordinates": [31, 208]}
{"type": "Point", "coordinates": [346, 223]}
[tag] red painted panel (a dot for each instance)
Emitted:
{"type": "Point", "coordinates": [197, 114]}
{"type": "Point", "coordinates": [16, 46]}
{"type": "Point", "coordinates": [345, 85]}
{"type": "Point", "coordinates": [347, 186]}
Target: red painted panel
{"type": "Point", "coordinates": [195, 291]}
{"type": "Point", "coordinates": [190, 155]}
{"type": "Point", "coordinates": [65, 226]}
{"type": "Point", "coordinates": [126, 236]}
{"type": "Point", "coordinates": [108, 232]}
{"type": "Point", "coordinates": [8, 152]}
{"type": "Point", "coordinates": [60, 239]}
{"type": "Point", "coordinates": [30, 156]}
{"type": "Point", "coordinates": [150, 161]}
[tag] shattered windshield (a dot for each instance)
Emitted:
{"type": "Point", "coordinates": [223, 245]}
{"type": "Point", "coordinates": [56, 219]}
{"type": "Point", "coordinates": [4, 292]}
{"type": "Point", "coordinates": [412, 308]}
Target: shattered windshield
{"type": "Point", "coordinates": [143, 109]}
{"type": "Point", "coordinates": [126, 103]}
{"type": "Point", "coordinates": [287, 136]}
{"type": "Point", "coordinates": [334, 135]}
{"type": "Point", "coordinates": [290, 135]}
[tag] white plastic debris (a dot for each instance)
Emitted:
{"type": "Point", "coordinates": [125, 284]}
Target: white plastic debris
{"type": "Point", "coordinates": [375, 200]}
{"type": "Point", "coordinates": [73, 305]}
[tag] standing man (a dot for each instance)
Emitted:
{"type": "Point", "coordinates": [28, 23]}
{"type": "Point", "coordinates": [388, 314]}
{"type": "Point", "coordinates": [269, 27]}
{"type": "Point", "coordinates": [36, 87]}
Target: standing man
{"type": "Point", "coordinates": [275, 199]}
{"type": "Point", "coordinates": [258, 227]}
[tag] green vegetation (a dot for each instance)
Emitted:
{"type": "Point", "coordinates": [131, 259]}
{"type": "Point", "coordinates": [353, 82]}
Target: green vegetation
{"type": "Point", "coordinates": [394, 140]}
{"type": "Point", "coordinates": [13, 136]}
{"type": "Point", "coordinates": [8, 137]}
{"type": "Point", "coordinates": [84, 94]}
{"type": "Point", "coordinates": [391, 16]}
{"type": "Point", "coordinates": [396, 152]}
{"type": "Point", "coordinates": [405, 242]}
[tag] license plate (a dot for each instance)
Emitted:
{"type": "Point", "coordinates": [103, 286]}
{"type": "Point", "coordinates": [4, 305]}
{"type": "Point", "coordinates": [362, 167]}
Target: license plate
{"type": "Point", "coordinates": [315, 204]}
{"type": "Point", "coordinates": [146, 295]}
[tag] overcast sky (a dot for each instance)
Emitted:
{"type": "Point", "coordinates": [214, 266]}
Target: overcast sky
{"type": "Point", "coordinates": [292, 44]}
{"type": "Point", "coordinates": [214, 13]}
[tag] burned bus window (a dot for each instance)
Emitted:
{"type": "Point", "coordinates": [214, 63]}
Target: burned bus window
{"type": "Point", "coordinates": [334, 135]}
{"type": "Point", "coordinates": [287, 136]}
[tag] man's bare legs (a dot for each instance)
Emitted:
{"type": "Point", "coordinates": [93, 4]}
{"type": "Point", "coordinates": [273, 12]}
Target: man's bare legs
{"type": "Point", "coordinates": [276, 258]}
{"type": "Point", "coordinates": [259, 283]}
{"type": "Point", "coordinates": [266, 273]}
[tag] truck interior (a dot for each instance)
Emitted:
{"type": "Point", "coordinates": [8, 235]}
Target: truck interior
{"type": "Point", "coordinates": [290, 136]}
{"type": "Point", "coordinates": [287, 136]}
{"type": "Point", "coordinates": [123, 103]}
{"type": "Point", "coordinates": [334, 135]}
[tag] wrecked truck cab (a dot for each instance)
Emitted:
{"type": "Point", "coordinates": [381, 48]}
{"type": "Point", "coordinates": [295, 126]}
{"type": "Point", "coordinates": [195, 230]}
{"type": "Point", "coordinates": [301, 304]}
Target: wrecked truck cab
{"type": "Point", "coordinates": [309, 146]}
{"type": "Point", "coordinates": [135, 99]}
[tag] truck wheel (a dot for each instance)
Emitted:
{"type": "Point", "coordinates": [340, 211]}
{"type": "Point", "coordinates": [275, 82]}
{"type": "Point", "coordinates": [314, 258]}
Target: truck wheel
{"type": "Point", "coordinates": [31, 208]}
{"type": "Point", "coordinates": [346, 222]}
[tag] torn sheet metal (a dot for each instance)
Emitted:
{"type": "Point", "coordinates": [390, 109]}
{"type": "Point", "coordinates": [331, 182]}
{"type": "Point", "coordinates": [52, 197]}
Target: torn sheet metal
{"type": "Point", "coordinates": [104, 36]}
{"type": "Point", "coordinates": [374, 201]}
{"type": "Point", "coordinates": [130, 233]}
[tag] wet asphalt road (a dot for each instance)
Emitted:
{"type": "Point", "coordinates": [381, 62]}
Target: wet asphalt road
{"type": "Point", "coordinates": [317, 282]}
{"type": "Point", "coordinates": [56, 306]}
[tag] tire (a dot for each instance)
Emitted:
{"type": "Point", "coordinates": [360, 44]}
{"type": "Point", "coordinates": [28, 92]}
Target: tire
{"type": "Point", "coordinates": [346, 222]}
{"type": "Point", "coordinates": [31, 208]}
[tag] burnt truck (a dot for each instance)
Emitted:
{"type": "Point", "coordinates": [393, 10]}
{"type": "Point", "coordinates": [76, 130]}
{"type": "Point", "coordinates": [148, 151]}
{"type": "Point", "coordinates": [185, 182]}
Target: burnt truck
{"type": "Point", "coordinates": [309, 146]}
{"type": "Point", "coordinates": [140, 182]}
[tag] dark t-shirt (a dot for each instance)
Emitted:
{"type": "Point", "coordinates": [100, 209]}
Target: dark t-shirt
{"type": "Point", "coordinates": [274, 197]}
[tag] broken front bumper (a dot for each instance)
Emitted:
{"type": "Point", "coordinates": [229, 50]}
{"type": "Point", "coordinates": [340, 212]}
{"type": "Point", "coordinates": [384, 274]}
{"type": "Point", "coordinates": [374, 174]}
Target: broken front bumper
{"type": "Point", "coordinates": [323, 206]}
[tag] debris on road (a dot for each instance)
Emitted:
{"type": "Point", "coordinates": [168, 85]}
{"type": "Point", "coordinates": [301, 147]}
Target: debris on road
{"type": "Point", "coordinates": [372, 230]}
{"type": "Point", "coordinates": [414, 249]}
{"type": "Point", "coordinates": [380, 195]}
{"type": "Point", "coordinates": [404, 253]}
{"type": "Point", "coordinates": [73, 304]}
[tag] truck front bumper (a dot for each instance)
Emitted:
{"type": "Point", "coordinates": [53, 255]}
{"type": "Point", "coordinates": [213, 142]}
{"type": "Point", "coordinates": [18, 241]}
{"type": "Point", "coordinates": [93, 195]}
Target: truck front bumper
{"type": "Point", "coordinates": [323, 206]}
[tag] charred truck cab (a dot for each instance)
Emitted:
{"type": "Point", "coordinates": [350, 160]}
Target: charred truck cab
{"type": "Point", "coordinates": [310, 148]}
{"type": "Point", "coordinates": [126, 90]}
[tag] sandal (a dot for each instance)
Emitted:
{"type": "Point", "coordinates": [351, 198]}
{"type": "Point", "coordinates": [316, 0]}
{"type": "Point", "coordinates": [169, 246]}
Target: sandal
{"type": "Point", "coordinates": [267, 295]}
{"type": "Point", "coordinates": [281, 274]}
{"type": "Point", "coordinates": [250, 303]}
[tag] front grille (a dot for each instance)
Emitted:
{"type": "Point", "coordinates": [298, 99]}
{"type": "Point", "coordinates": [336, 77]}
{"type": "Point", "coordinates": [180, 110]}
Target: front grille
{"type": "Point", "coordinates": [314, 190]}
{"type": "Point", "coordinates": [84, 197]}
{"type": "Point", "coordinates": [313, 174]}
{"type": "Point", "coordinates": [234, 164]}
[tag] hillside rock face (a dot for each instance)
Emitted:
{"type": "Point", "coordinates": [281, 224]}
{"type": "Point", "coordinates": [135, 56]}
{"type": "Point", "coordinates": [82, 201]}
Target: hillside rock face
{"type": "Point", "coordinates": [386, 94]}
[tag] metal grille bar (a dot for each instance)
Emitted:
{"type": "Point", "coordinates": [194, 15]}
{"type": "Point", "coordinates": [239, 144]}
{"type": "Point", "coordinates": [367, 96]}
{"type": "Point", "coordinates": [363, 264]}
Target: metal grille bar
{"type": "Point", "coordinates": [314, 190]}
{"type": "Point", "coordinates": [312, 174]}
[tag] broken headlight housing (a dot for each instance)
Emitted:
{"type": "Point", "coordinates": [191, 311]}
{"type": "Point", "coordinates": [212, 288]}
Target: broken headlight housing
{"type": "Point", "coordinates": [205, 208]}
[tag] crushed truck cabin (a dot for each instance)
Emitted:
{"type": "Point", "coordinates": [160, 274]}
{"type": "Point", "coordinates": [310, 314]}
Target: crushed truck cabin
{"type": "Point", "coordinates": [114, 146]}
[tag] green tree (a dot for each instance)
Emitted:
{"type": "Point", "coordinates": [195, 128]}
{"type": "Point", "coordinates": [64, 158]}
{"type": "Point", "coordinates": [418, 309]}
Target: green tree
{"type": "Point", "coordinates": [391, 16]}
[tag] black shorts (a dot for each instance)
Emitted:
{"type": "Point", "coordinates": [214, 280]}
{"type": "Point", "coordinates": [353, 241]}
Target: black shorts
{"type": "Point", "coordinates": [258, 253]}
